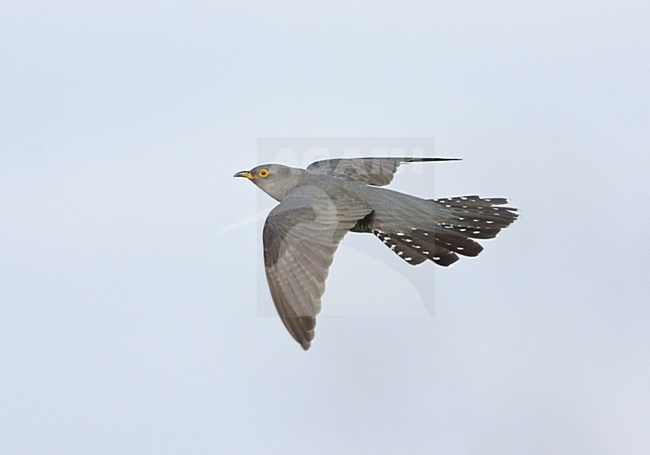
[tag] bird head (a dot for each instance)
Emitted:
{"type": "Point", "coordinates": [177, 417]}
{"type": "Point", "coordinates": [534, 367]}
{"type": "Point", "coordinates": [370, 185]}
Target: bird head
{"type": "Point", "coordinates": [274, 179]}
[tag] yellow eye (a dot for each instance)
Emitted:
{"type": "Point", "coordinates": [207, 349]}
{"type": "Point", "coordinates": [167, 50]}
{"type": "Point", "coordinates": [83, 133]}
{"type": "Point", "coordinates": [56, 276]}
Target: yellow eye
{"type": "Point", "coordinates": [263, 173]}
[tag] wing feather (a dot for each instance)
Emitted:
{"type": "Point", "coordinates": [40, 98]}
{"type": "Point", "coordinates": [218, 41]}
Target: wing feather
{"type": "Point", "coordinates": [300, 238]}
{"type": "Point", "coordinates": [369, 171]}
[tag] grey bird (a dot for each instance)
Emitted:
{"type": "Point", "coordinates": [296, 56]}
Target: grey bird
{"type": "Point", "coordinates": [320, 204]}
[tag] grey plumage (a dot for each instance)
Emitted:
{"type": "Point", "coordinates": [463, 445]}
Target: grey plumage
{"type": "Point", "coordinates": [319, 205]}
{"type": "Point", "coordinates": [369, 171]}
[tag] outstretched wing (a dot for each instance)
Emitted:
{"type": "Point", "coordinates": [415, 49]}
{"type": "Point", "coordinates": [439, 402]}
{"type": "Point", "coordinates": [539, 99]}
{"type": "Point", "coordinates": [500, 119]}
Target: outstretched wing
{"type": "Point", "coordinates": [369, 171]}
{"type": "Point", "coordinates": [300, 237]}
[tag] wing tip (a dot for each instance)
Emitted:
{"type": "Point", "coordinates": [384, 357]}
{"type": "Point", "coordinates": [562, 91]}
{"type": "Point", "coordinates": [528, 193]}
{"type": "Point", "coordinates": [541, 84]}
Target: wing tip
{"type": "Point", "coordinates": [420, 160]}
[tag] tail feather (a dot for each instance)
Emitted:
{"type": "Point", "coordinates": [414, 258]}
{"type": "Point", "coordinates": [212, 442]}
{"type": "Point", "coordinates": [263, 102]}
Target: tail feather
{"type": "Point", "coordinates": [474, 217]}
{"type": "Point", "coordinates": [416, 246]}
{"type": "Point", "coordinates": [451, 241]}
{"type": "Point", "coordinates": [465, 218]}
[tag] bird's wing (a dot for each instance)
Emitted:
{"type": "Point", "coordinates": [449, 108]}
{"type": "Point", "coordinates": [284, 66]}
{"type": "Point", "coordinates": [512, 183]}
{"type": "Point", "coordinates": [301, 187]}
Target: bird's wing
{"type": "Point", "coordinates": [369, 171]}
{"type": "Point", "coordinates": [300, 237]}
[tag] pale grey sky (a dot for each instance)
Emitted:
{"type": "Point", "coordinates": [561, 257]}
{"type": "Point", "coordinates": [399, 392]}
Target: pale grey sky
{"type": "Point", "coordinates": [128, 325]}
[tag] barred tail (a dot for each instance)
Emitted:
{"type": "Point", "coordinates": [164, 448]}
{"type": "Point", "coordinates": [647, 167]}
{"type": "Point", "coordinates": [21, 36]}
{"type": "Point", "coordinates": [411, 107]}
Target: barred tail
{"type": "Point", "coordinates": [465, 218]}
{"type": "Point", "coordinates": [416, 246]}
{"type": "Point", "coordinates": [472, 216]}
